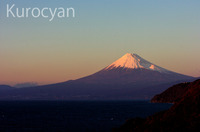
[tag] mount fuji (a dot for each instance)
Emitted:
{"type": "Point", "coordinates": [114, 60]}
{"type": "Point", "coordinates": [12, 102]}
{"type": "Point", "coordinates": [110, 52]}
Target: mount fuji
{"type": "Point", "coordinates": [133, 61]}
{"type": "Point", "coordinates": [131, 68]}
{"type": "Point", "coordinates": [129, 77]}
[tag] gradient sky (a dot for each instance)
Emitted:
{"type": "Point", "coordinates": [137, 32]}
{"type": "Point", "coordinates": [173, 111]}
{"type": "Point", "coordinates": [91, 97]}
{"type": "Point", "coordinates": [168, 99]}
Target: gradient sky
{"type": "Point", "coordinates": [164, 32]}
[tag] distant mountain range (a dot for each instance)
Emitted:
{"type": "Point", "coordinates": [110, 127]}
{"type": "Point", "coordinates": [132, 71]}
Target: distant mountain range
{"type": "Point", "coordinates": [130, 77]}
{"type": "Point", "coordinates": [6, 87]}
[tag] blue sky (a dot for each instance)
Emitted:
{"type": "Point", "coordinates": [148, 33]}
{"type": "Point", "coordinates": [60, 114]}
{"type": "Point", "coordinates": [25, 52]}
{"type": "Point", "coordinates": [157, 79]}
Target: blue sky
{"type": "Point", "coordinates": [163, 32]}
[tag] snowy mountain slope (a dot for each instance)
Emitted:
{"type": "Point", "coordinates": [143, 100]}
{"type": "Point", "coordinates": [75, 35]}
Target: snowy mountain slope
{"type": "Point", "coordinates": [131, 68]}
{"type": "Point", "coordinates": [130, 77]}
{"type": "Point", "coordinates": [134, 61]}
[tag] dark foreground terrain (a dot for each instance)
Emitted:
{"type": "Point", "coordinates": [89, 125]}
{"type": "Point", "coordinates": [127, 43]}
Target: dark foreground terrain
{"type": "Point", "coordinates": [183, 116]}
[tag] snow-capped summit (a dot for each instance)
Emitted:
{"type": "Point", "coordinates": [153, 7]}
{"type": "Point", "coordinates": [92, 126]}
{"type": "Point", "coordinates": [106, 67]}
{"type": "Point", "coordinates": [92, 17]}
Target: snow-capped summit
{"type": "Point", "coordinates": [130, 77]}
{"type": "Point", "coordinates": [131, 68]}
{"type": "Point", "coordinates": [134, 61]}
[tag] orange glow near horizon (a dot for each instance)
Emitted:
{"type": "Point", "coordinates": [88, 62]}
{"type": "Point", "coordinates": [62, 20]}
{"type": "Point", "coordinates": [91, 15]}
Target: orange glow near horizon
{"type": "Point", "coordinates": [50, 72]}
{"type": "Point", "coordinates": [35, 50]}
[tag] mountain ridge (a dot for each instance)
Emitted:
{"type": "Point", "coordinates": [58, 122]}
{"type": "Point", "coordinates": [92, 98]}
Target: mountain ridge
{"type": "Point", "coordinates": [120, 82]}
{"type": "Point", "coordinates": [183, 116]}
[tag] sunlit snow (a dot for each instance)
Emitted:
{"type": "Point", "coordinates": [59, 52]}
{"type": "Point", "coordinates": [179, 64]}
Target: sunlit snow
{"type": "Point", "coordinates": [133, 61]}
